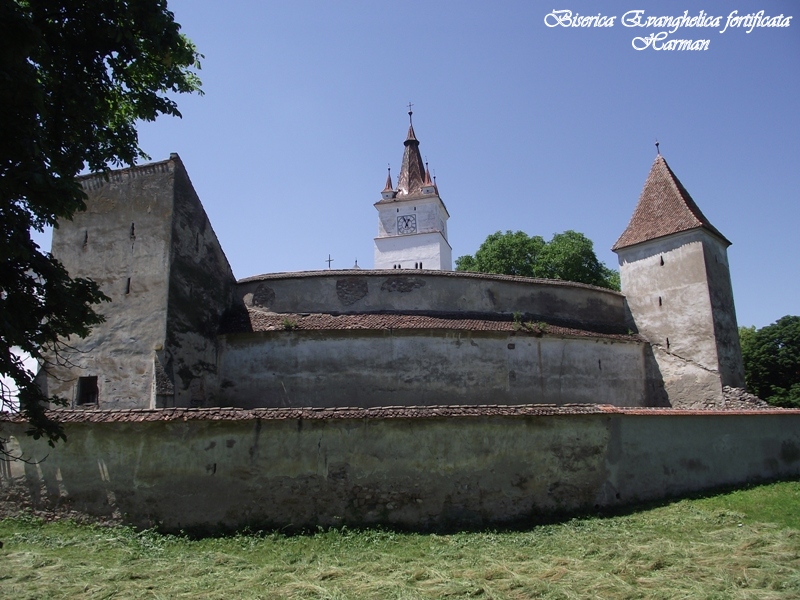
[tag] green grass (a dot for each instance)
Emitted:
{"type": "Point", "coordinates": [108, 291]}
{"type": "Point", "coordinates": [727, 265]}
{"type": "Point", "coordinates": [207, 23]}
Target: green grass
{"type": "Point", "coordinates": [744, 544]}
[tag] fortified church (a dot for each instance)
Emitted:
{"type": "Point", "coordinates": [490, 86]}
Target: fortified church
{"type": "Point", "coordinates": [182, 332]}
{"type": "Point", "coordinates": [406, 395]}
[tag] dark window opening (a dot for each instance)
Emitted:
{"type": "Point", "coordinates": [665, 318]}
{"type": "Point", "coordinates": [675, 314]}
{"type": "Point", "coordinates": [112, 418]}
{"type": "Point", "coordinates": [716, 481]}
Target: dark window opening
{"type": "Point", "coordinates": [667, 343]}
{"type": "Point", "coordinates": [659, 300]}
{"type": "Point", "coordinates": [662, 261]}
{"type": "Point", "coordinates": [87, 390]}
{"type": "Point", "coordinates": [128, 286]}
{"type": "Point", "coordinates": [133, 231]}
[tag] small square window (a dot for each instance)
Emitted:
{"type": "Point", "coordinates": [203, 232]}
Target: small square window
{"type": "Point", "coordinates": [87, 390]}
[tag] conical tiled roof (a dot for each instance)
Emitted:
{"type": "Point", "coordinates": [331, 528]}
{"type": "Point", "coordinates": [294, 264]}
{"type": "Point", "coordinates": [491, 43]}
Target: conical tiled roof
{"type": "Point", "coordinates": [388, 187]}
{"type": "Point", "coordinates": [412, 171]}
{"type": "Point", "coordinates": [664, 208]}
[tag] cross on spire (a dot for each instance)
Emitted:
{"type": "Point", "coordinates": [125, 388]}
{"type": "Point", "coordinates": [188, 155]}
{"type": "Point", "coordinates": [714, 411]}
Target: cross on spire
{"type": "Point", "coordinates": [329, 261]}
{"type": "Point", "coordinates": [658, 150]}
{"type": "Point", "coordinates": [410, 112]}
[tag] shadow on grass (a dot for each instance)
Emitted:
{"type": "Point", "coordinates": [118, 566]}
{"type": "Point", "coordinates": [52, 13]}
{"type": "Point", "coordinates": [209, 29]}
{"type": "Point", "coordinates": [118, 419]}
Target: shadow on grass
{"type": "Point", "coordinates": [471, 523]}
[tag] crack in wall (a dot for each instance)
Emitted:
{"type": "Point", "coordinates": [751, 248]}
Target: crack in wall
{"type": "Point", "coordinates": [684, 359]}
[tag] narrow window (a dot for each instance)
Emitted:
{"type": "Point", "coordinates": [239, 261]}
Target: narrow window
{"type": "Point", "coordinates": [599, 365]}
{"type": "Point", "coordinates": [133, 231]}
{"type": "Point", "coordinates": [659, 300]}
{"type": "Point", "coordinates": [420, 265]}
{"type": "Point", "coordinates": [87, 390]}
{"type": "Point", "coordinates": [662, 261]}
{"type": "Point", "coordinates": [128, 286]}
{"type": "Point", "coordinates": [667, 343]}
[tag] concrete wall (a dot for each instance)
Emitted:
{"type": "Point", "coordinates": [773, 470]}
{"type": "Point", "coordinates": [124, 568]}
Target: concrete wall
{"type": "Point", "coordinates": [680, 306]}
{"type": "Point", "coordinates": [410, 472]}
{"type": "Point", "coordinates": [450, 293]}
{"type": "Point", "coordinates": [418, 367]}
{"type": "Point", "coordinates": [122, 241]}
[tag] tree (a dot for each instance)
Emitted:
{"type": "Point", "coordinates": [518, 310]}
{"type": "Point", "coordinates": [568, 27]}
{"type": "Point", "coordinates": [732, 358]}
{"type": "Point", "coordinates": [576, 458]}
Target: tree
{"type": "Point", "coordinates": [771, 358]}
{"type": "Point", "coordinates": [569, 256]}
{"type": "Point", "coordinates": [75, 76]}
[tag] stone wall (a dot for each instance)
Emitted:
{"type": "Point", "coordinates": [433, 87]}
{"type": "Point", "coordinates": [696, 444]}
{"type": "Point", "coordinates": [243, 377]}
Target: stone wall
{"type": "Point", "coordinates": [678, 292]}
{"type": "Point", "coordinates": [201, 293]}
{"type": "Point", "coordinates": [403, 367]}
{"type": "Point", "coordinates": [423, 468]}
{"type": "Point", "coordinates": [450, 293]}
{"type": "Point", "coordinates": [122, 241]}
{"type": "Point", "coordinates": [146, 240]}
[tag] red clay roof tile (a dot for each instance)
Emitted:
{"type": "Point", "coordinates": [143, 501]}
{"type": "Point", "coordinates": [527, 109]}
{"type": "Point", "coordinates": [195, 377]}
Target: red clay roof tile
{"type": "Point", "coordinates": [664, 208]}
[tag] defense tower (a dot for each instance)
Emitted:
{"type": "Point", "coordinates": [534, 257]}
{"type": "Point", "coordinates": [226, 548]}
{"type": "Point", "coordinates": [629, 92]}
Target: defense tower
{"type": "Point", "coordinates": [676, 280]}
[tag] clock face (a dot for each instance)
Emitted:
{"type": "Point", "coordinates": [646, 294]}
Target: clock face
{"type": "Point", "coordinates": [407, 224]}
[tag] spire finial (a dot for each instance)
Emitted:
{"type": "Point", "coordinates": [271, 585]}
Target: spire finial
{"type": "Point", "coordinates": [410, 112]}
{"type": "Point", "coordinates": [658, 150]}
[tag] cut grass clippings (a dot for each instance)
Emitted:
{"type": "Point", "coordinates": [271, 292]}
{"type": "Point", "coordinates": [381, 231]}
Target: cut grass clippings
{"type": "Point", "coordinates": [743, 544]}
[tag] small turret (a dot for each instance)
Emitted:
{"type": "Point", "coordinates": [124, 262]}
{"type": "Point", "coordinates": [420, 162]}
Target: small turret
{"type": "Point", "coordinates": [388, 193]}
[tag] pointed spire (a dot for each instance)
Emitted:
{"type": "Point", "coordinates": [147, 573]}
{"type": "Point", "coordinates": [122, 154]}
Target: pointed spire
{"type": "Point", "coordinates": [412, 171]}
{"type": "Point", "coordinates": [664, 208]}
{"type": "Point", "coordinates": [427, 175]}
{"type": "Point", "coordinates": [389, 187]}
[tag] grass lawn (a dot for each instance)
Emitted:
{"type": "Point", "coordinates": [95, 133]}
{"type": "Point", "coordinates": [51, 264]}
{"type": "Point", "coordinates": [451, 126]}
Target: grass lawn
{"type": "Point", "coordinates": [744, 544]}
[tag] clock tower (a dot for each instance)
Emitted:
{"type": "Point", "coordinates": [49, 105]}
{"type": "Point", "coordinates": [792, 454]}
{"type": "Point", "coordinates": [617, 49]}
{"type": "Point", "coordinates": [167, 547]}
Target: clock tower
{"type": "Point", "coordinates": [412, 219]}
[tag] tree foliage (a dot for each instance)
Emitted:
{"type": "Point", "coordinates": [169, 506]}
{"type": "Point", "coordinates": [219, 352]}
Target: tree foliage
{"type": "Point", "coordinates": [75, 77]}
{"type": "Point", "coordinates": [569, 256]}
{"type": "Point", "coordinates": [772, 361]}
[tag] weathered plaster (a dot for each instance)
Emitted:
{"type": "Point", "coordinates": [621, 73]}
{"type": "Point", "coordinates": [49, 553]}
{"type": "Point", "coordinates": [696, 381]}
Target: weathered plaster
{"type": "Point", "coordinates": [434, 293]}
{"type": "Point", "coordinates": [417, 473]}
{"type": "Point", "coordinates": [145, 239]}
{"type": "Point", "coordinates": [200, 294]}
{"type": "Point", "coordinates": [419, 367]}
{"type": "Point", "coordinates": [678, 292]}
{"type": "Point", "coordinates": [122, 241]}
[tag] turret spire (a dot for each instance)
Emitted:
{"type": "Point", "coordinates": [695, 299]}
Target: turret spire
{"type": "Point", "coordinates": [389, 187]}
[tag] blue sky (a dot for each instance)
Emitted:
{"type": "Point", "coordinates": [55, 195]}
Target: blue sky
{"type": "Point", "coordinates": [526, 127]}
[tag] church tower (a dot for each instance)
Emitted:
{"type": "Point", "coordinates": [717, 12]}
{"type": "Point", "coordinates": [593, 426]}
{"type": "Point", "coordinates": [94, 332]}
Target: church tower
{"type": "Point", "coordinates": [676, 280]}
{"type": "Point", "coordinates": [412, 219]}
